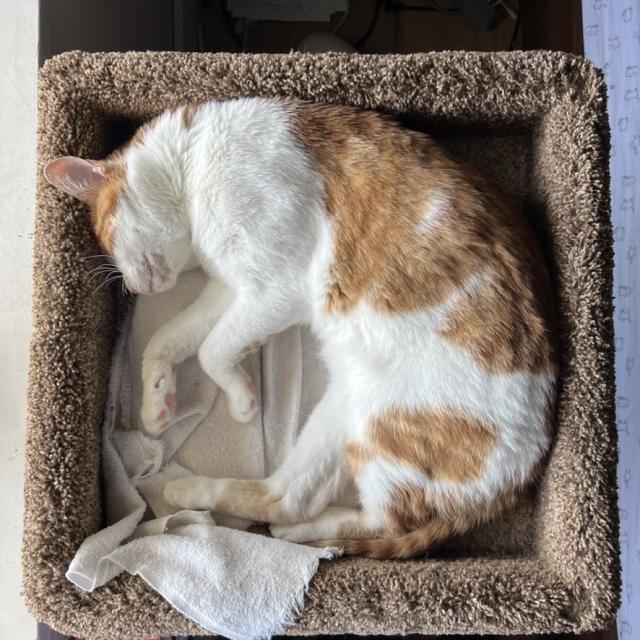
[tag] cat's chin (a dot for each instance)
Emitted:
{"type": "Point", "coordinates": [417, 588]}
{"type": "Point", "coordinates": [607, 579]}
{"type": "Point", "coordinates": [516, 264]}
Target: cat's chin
{"type": "Point", "coordinates": [155, 288]}
{"type": "Point", "coordinates": [162, 287]}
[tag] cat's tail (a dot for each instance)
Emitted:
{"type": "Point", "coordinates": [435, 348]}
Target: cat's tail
{"type": "Point", "coordinates": [410, 545]}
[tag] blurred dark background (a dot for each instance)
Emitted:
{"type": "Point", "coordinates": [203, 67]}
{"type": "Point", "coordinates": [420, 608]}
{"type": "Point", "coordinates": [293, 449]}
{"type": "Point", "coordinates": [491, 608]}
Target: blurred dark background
{"type": "Point", "coordinates": [370, 26]}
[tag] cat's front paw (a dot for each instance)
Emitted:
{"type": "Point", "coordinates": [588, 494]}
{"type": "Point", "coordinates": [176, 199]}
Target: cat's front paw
{"type": "Point", "coordinates": [158, 397]}
{"type": "Point", "coordinates": [241, 397]}
{"type": "Point", "coordinates": [191, 492]}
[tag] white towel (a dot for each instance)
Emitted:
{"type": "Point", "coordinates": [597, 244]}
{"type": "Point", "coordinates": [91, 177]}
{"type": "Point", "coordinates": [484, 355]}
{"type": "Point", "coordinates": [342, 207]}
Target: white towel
{"type": "Point", "coordinates": [237, 584]}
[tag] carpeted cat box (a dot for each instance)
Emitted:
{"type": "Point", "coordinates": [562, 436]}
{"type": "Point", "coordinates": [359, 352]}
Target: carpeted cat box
{"type": "Point", "coordinates": [536, 123]}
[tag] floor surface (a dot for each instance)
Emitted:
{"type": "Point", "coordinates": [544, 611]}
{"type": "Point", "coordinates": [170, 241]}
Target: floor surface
{"type": "Point", "coordinates": [18, 67]}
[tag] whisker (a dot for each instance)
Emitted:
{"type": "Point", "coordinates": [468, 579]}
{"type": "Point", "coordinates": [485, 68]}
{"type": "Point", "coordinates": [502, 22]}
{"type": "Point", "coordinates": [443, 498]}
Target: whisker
{"type": "Point", "coordinates": [103, 268]}
{"type": "Point", "coordinates": [95, 276]}
{"type": "Point", "coordinates": [109, 280]}
{"type": "Point", "coordinates": [91, 276]}
{"type": "Point", "coordinates": [107, 269]}
{"type": "Point", "coordinates": [98, 255]}
{"type": "Point", "coordinates": [97, 290]}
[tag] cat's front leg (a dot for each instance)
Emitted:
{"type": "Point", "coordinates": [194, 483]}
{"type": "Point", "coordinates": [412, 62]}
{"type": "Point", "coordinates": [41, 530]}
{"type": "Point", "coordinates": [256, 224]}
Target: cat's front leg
{"type": "Point", "coordinates": [173, 343]}
{"type": "Point", "coordinates": [246, 324]}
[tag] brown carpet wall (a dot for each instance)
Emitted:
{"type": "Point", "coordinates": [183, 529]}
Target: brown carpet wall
{"type": "Point", "coordinates": [536, 123]}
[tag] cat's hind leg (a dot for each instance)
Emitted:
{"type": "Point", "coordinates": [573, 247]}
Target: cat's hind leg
{"type": "Point", "coordinates": [332, 523]}
{"type": "Point", "coordinates": [312, 476]}
{"type": "Point", "coordinates": [268, 500]}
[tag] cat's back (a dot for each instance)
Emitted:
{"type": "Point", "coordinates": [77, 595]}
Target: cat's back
{"type": "Point", "coordinates": [239, 133]}
{"type": "Point", "coordinates": [415, 231]}
{"type": "Point", "coordinates": [435, 281]}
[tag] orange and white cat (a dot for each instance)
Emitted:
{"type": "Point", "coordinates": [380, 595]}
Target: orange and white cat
{"type": "Point", "coordinates": [427, 292]}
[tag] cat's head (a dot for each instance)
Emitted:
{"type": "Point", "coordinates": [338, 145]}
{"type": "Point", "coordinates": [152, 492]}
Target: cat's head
{"type": "Point", "coordinates": [134, 218]}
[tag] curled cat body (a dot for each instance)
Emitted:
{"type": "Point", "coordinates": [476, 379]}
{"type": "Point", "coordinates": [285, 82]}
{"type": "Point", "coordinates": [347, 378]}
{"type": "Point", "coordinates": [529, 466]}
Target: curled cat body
{"type": "Point", "coordinates": [427, 291]}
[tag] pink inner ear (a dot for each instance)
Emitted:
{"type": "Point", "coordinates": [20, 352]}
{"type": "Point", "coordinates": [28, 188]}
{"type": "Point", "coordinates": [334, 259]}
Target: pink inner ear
{"type": "Point", "coordinates": [75, 176]}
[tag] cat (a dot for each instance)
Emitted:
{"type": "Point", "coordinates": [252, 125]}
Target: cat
{"type": "Point", "coordinates": [426, 290]}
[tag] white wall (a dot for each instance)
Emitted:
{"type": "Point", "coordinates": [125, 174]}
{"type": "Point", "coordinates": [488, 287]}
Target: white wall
{"type": "Point", "coordinates": [18, 66]}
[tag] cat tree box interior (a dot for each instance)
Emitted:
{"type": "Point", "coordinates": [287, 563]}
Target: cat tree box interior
{"type": "Point", "coordinates": [536, 124]}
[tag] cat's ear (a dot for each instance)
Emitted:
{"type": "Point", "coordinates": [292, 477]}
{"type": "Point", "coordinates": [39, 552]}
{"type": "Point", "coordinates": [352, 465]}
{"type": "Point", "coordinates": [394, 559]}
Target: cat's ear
{"type": "Point", "coordinates": [77, 177]}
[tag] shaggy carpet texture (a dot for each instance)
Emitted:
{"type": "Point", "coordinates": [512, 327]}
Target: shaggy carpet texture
{"type": "Point", "coordinates": [534, 122]}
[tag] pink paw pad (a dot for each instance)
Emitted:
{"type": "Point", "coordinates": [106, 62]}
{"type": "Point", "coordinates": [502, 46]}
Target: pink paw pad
{"type": "Point", "coordinates": [170, 399]}
{"type": "Point", "coordinates": [252, 387]}
{"type": "Point", "coordinates": [162, 416]}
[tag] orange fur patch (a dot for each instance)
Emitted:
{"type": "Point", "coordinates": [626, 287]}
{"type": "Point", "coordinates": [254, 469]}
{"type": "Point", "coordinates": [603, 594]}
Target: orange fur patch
{"type": "Point", "coordinates": [377, 188]}
{"type": "Point", "coordinates": [357, 457]}
{"type": "Point", "coordinates": [408, 509]}
{"type": "Point", "coordinates": [506, 323]}
{"type": "Point", "coordinates": [104, 204]}
{"type": "Point", "coordinates": [189, 112]}
{"type": "Point", "coordinates": [443, 447]}
{"type": "Point", "coordinates": [252, 500]}
{"type": "Point", "coordinates": [380, 181]}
